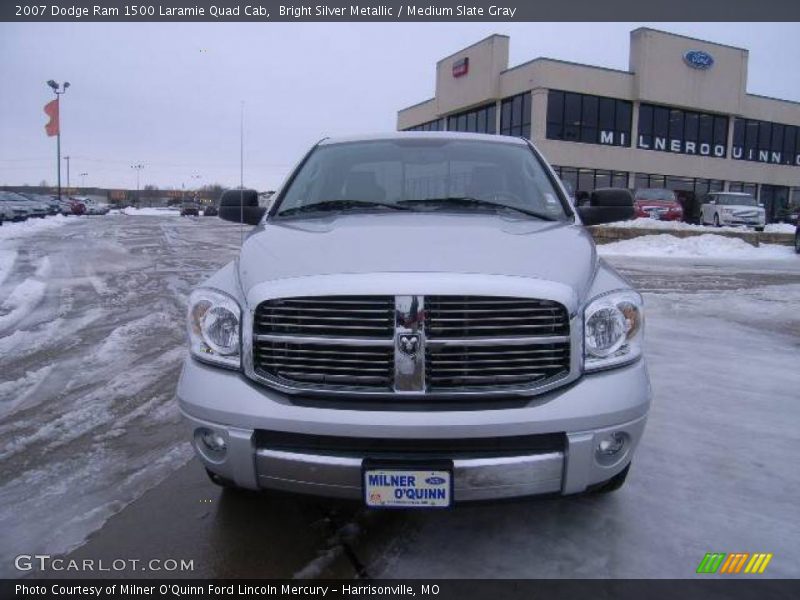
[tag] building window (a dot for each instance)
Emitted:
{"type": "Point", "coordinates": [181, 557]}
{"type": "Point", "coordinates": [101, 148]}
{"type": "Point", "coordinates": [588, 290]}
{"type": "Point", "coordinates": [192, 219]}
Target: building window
{"type": "Point", "coordinates": [682, 131]}
{"type": "Point", "coordinates": [741, 186]}
{"type": "Point", "coordinates": [588, 180]}
{"type": "Point", "coordinates": [515, 116]}
{"type": "Point", "coordinates": [477, 120]}
{"type": "Point", "coordinates": [589, 119]}
{"type": "Point", "coordinates": [762, 141]}
{"type": "Point", "coordinates": [435, 125]}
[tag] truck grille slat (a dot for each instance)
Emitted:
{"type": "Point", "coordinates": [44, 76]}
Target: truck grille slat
{"type": "Point", "coordinates": [469, 343]}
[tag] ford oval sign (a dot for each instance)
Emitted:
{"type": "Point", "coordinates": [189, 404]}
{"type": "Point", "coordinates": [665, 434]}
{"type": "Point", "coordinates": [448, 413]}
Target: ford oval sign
{"type": "Point", "coordinates": [435, 480]}
{"type": "Point", "coordinates": [697, 59]}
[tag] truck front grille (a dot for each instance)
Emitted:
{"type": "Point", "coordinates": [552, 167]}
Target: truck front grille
{"type": "Point", "coordinates": [410, 345]}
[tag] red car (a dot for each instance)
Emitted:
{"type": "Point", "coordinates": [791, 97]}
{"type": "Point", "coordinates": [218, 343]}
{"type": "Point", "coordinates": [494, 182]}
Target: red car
{"type": "Point", "coordinates": [657, 203]}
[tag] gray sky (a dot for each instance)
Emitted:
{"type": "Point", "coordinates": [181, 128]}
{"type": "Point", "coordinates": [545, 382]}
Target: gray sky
{"type": "Point", "coordinates": [168, 95]}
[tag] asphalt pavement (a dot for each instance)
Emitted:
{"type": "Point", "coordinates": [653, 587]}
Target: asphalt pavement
{"type": "Point", "coordinates": [95, 464]}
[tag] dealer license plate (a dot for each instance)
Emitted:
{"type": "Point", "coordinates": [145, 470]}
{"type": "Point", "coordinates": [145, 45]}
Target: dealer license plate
{"type": "Point", "coordinates": [408, 488]}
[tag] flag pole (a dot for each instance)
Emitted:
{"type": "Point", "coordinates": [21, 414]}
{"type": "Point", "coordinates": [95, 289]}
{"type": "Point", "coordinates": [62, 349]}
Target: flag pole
{"type": "Point", "coordinates": [58, 143]}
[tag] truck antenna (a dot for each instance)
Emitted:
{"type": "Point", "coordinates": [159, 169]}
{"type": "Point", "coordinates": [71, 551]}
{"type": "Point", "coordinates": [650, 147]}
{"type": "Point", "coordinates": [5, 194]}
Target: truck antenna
{"type": "Point", "coordinates": [241, 174]}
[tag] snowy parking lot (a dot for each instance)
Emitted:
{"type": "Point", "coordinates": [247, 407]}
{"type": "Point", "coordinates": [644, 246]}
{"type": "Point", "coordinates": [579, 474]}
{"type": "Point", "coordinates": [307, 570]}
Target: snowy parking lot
{"type": "Point", "coordinates": [91, 342]}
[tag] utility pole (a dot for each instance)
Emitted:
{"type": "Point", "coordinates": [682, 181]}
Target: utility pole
{"type": "Point", "coordinates": [58, 89]}
{"type": "Point", "coordinates": [83, 179]}
{"type": "Point", "coordinates": [138, 167]}
{"type": "Point", "coordinates": [66, 158]}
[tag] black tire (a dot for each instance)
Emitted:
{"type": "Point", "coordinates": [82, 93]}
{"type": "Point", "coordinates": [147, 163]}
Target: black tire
{"type": "Point", "coordinates": [759, 229]}
{"type": "Point", "coordinates": [221, 481]}
{"type": "Point", "coordinates": [797, 242]}
{"type": "Point", "coordinates": [716, 220]}
{"type": "Point", "coordinates": [613, 484]}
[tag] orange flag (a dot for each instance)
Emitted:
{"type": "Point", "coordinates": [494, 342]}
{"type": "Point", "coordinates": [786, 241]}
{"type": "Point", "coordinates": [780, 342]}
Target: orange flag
{"type": "Point", "coordinates": [51, 109]}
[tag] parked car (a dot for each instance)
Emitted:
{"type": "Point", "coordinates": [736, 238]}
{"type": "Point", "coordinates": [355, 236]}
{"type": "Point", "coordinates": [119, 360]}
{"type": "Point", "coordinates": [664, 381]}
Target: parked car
{"type": "Point", "coordinates": [92, 207]}
{"type": "Point", "coordinates": [657, 203]}
{"type": "Point", "coordinates": [797, 237]}
{"type": "Point", "coordinates": [210, 210]}
{"type": "Point", "coordinates": [12, 209]}
{"type": "Point", "coordinates": [48, 202]}
{"type": "Point", "coordinates": [77, 206]}
{"type": "Point", "coordinates": [732, 208]}
{"type": "Point", "coordinates": [418, 319]}
{"type": "Point", "coordinates": [190, 208]}
{"type": "Point", "coordinates": [32, 208]}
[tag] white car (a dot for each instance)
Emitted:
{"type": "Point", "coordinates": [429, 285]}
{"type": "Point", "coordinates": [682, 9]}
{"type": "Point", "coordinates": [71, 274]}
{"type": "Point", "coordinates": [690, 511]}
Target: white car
{"type": "Point", "coordinates": [94, 208]}
{"type": "Point", "coordinates": [732, 208]}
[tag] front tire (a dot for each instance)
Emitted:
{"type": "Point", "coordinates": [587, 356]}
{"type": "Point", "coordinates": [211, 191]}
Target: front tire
{"type": "Point", "coordinates": [716, 220]}
{"type": "Point", "coordinates": [797, 242]}
{"type": "Point", "coordinates": [613, 484]}
{"type": "Point", "coordinates": [221, 481]}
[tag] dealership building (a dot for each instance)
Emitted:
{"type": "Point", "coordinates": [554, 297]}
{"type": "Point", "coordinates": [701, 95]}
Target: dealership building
{"type": "Point", "coordinates": [680, 117]}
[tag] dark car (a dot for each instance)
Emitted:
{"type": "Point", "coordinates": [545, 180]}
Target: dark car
{"type": "Point", "coordinates": [190, 208]}
{"type": "Point", "coordinates": [211, 211]}
{"type": "Point", "coordinates": [797, 237]}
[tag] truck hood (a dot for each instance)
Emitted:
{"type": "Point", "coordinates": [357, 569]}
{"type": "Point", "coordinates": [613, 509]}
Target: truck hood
{"type": "Point", "coordinates": [475, 243]}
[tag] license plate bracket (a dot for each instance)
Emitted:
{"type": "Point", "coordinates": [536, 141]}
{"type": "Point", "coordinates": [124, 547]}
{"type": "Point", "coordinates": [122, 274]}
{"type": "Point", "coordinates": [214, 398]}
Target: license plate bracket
{"type": "Point", "coordinates": [403, 484]}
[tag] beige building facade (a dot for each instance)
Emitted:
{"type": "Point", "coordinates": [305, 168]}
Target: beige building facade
{"type": "Point", "coordinates": [680, 117]}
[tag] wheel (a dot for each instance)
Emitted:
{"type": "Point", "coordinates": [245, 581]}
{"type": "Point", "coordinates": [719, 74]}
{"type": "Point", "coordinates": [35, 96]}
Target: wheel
{"type": "Point", "coordinates": [716, 220]}
{"type": "Point", "coordinates": [759, 229]}
{"type": "Point", "coordinates": [797, 242]}
{"type": "Point", "coordinates": [613, 484]}
{"type": "Point", "coordinates": [220, 481]}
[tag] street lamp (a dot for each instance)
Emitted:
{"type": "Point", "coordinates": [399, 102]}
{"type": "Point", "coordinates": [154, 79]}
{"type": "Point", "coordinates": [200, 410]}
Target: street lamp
{"type": "Point", "coordinates": [58, 89]}
{"type": "Point", "coordinates": [138, 168]}
{"type": "Point", "coordinates": [83, 179]}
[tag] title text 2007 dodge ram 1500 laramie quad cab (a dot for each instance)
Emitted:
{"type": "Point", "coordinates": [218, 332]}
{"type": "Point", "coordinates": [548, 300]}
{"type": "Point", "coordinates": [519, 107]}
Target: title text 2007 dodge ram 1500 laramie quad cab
{"type": "Point", "coordinates": [418, 319]}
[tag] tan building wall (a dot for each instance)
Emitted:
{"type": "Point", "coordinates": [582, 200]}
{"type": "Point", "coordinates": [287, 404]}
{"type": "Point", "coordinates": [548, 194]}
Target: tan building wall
{"type": "Point", "coordinates": [658, 74]}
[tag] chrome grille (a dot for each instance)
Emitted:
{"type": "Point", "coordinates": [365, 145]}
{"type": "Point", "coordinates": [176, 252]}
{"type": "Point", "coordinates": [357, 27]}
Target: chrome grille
{"type": "Point", "coordinates": [482, 316]}
{"type": "Point", "coordinates": [411, 345]}
{"type": "Point", "coordinates": [331, 316]}
{"type": "Point", "coordinates": [499, 365]}
{"type": "Point", "coordinates": [328, 364]}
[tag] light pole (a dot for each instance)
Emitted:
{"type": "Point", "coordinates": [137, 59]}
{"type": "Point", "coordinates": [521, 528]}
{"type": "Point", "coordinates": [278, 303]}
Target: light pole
{"type": "Point", "coordinates": [138, 167]}
{"type": "Point", "coordinates": [194, 186]}
{"type": "Point", "coordinates": [66, 158]}
{"type": "Point", "coordinates": [58, 89]}
{"type": "Point", "coordinates": [83, 179]}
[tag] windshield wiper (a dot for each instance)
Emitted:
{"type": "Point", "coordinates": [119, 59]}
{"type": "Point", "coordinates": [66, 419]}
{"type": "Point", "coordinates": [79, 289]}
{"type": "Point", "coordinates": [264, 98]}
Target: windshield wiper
{"type": "Point", "coordinates": [333, 205]}
{"type": "Point", "coordinates": [468, 201]}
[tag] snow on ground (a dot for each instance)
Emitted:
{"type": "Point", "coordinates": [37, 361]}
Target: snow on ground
{"type": "Point", "coordinates": [33, 226]}
{"type": "Point", "coordinates": [780, 228]}
{"type": "Point", "coordinates": [644, 223]}
{"type": "Point", "coordinates": [151, 212]}
{"type": "Point", "coordinates": [707, 246]}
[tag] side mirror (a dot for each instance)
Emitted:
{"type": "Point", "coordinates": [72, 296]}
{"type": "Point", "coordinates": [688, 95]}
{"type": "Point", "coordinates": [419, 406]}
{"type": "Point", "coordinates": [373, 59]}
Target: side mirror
{"type": "Point", "coordinates": [241, 206]}
{"type": "Point", "coordinates": [607, 205]}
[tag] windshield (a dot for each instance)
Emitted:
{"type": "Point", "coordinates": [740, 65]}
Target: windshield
{"type": "Point", "coordinates": [422, 174]}
{"type": "Point", "coordinates": [735, 200]}
{"type": "Point", "coordinates": [660, 194]}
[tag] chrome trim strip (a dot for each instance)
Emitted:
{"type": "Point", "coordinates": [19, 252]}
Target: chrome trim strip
{"type": "Point", "coordinates": [327, 341]}
{"type": "Point", "coordinates": [480, 341]}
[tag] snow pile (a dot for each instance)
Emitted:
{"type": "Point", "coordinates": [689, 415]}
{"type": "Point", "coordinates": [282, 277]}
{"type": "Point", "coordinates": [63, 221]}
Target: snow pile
{"type": "Point", "coordinates": [11, 230]}
{"type": "Point", "coordinates": [708, 246]}
{"type": "Point", "coordinates": [645, 223]}
{"type": "Point", "coordinates": [779, 228]}
{"type": "Point", "coordinates": [151, 212]}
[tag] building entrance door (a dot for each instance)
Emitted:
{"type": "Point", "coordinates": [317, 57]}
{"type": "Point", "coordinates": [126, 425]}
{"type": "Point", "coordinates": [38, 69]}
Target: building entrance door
{"type": "Point", "coordinates": [775, 199]}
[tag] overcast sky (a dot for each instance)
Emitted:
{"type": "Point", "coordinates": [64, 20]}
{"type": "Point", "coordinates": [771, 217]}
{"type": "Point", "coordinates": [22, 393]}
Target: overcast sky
{"type": "Point", "coordinates": [169, 95]}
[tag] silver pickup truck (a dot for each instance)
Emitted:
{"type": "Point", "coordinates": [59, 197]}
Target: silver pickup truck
{"type": "Point", "coordinates": [418, 319]}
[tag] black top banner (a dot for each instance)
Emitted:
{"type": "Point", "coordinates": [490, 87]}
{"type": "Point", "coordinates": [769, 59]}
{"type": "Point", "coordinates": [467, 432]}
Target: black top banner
{"type": "Point", "coordinates": [396, 10]}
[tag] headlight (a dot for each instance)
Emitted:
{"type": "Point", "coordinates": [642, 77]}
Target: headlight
{"type": "Point", "coordinates": [613, 330]}
{"type": "Point", "coordinates": [213, 322]}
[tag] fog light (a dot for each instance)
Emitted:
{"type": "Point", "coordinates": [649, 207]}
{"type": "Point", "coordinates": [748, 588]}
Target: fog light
{"type": "Point", "coordinates": [214, 441]}
{"type": "Point", "coordinates": [611, 447]}
{"type": "Point", "coordinates": [212, 445]}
